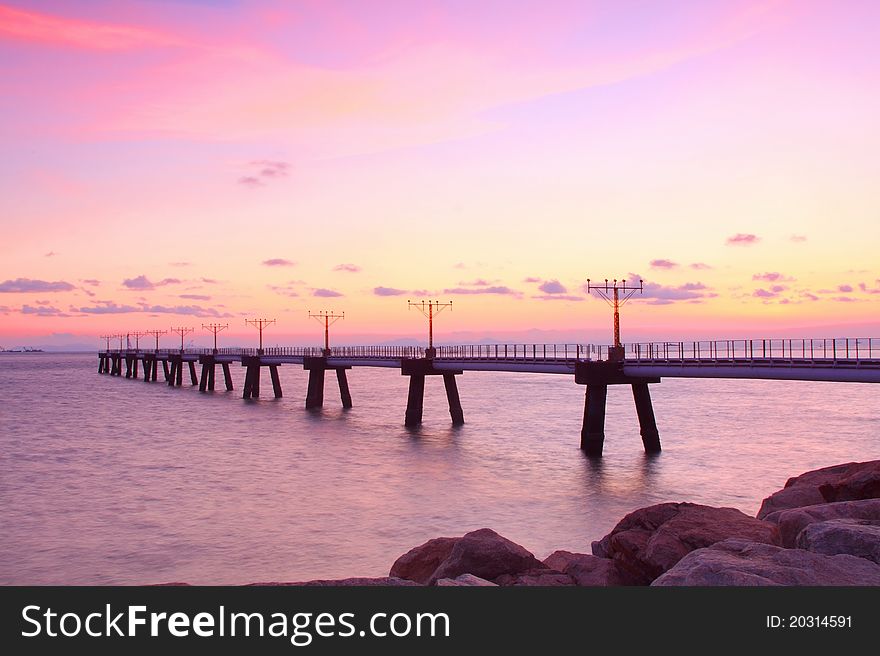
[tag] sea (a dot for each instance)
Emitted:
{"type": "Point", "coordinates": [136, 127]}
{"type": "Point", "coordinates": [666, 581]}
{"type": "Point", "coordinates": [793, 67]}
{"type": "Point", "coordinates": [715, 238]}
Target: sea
{"type": "Point", "coordinates": [106, 480]}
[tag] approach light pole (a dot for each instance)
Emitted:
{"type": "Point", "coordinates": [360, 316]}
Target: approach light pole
{"type": "Point", "coordinates": [611, 292]}
{"type": "Point", "coordinates": [156, 333]}
{"type": "Point", "coordinates": [215, 328]}
{"type": "Point", "coordinates": [259, 324]}
{"type": "Point", "coordinates": [325, 317]}
{"type": "Point", "coordinates": [433, 307]}
{"type": "Point", "coordinates": [182, 332]}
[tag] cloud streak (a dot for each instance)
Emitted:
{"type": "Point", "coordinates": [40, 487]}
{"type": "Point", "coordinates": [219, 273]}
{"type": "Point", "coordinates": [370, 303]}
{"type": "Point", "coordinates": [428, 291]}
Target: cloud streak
{"type": "Point", "coordinates": [278, 262]}
{"type": "Point", "coordinates": [742, 239]}
{"type": "Point", "coordinates": [26, 286]}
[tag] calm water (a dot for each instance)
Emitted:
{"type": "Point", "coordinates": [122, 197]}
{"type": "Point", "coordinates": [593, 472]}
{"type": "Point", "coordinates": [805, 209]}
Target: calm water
{"type": "Point", "coordinates": [112, 481]}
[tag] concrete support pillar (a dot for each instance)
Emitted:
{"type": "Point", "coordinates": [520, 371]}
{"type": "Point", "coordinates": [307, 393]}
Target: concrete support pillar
{"type": "Point", "coordinates": [343, 388]}
{"type": "Point", "coordinates": [252, 382]}
{"type": "Point", "coordinates": [455, 410]}
{"type": "Point", "coordinates": [100, 364]}
{"type": "Point", "coordinates": [315, 392]}
{"type": "Point", "coordinates": [193, 378]}
{"type": "Point", "coordinates": [127, 366]}
{"type": "Point", "coordinates": [203, 380]}
{"type": "Point", "coordinates": [647, 422]}
{"type": "Point", "coordinates": [134, 368]}
{"type": "Point", "coordinates": [211, 370]}
{"type": "Point", "coordinates": [165, 369]}
{"type": "Point", "coordinates": [169, 376]}
{"type": "Point", "coordinates": [415, 400]}
{"type": "Point", "coordinates": [227, 377]}
{"type": "Point", "coordinates": [276, 381]}
{"type": "Point", "coordinates": [178, 378]}
{"type": "Point", "coordinates": [593, 430]}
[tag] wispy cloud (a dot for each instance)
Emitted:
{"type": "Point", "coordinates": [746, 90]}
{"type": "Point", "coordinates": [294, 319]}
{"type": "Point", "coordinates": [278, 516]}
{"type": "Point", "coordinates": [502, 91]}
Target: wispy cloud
{"type": "Point", "coordinates": [50, 254]}
{"type": "Point", "coordinates": [742, 239]}
{"type": "Point", "coordinates": [798, 239]}
{"type": "Point", "coordinates": [141, 283]}
{"type": "Point", "coordinates": [349, 268]}
{"type": "Point", "coordinates": [553, 287]}
{"type": "Point", "coordinates": [26, 285]}
{"type": "Point", "coordinates": [497, 289]}
{"type": "Point", "coordinates": [772, 276]}
{"type": "Point", "coordinates": [180, 264]}
{"type": "Point", "coordinates": [690, 292]}
{"type": "Point", "coordinates": [91, 281]}
{"type": "Point", "coordinates": [388, 291]}
{"type": "Point", "coordinates": [700, 266]}
{"type": "Point", "coordinates": [39, 27]}
{"type": "Point", "coordinates": [278, 262]}
{"type": "Point", "coordinates": [326, 293]}
{"type": "Point", "coordinates": [43, 311]}
{"type": "Point", "coordinates": [663, 264]}
{"type": "Point", "coordinates": [195, 297]}
{"type": "Point", "coordinates": [284, 290]}
{"type": "Point", "coordinates": [264, 171]}
{"type": "Point", "coordinates": [846, 289]}
{"type": "Point", "coordinates": [531, 279]}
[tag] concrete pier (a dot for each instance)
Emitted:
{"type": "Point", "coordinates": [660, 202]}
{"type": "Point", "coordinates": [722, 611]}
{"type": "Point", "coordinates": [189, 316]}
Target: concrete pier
{"type": "Point", "coordinates": [417, 369]}
{"type": "Point", "coordinates": [597, 376]}
{"type": "Point", "coordinates": [317, 366]}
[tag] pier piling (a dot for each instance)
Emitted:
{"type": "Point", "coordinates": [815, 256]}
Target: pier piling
{"type": "Point", "coordinates": [415, 400]}
{"type": "Point", "coordinates": [343, 388]}
{"type": "Point", "coordinates": [455, 410]}
{"type": "Point", "coordinates": [647, 422]}
{"type": "Point", "coordinates": [593, 430]}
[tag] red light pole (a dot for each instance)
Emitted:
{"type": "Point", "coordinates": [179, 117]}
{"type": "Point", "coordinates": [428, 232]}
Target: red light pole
{"type": "Point", "coordinates": [259, 324]}
{"type": "Point", "coordinates": [431, 306]}
{"type": "Point", "coordinates": [614, 288]}
{"type": "Point", "coordinates": [325, 317]}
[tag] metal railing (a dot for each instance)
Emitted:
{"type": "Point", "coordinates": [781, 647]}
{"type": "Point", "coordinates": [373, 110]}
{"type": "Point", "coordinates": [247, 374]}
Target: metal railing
{"type": "Point", "coordinates": [518, 352]}
{"type": "Point", "coordinates": [798, 351]}
{"type": "Point", "coordinates": [739, 350]}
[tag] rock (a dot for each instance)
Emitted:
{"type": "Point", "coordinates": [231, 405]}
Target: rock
{"type": "Point", "coordinates": [744, 563]}
{"type": "Point", "coordinates": [791, 522]}
{"type": "Point", "coordinates": [486, 554]}
{"type": "Point", "coordinates": [586, 570]}
{"type": "Point", "coordinates": [542, 576]}
{"type": "Point", "coordinates": [356, 581]}
{"type": "Point", "coordinates": [847, 482]}
{"type": "Point", "coordinates": [419, 563]}
{"type": "Point", "coordinates": [856, 537]}
{"type": "Point", "coordinates": [649, 541]}
{"type": "Point", "coordinates": [465, 580]}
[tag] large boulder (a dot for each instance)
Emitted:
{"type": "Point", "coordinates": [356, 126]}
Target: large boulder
{"type": "Point", "coordinates": [856, 537]}
{"type": "Point", "coordinates": [649, 541]}
{"type": "Point", "coordinates": [586, 570]}
{"type": "Point", "coordinates": [743, 563]}
{"type": "Point", "coordinates": [419, 563]}
{"type": "Point", "coordinates": [847, 482]}
{"type": "Point", "coordinates": [791, 522]}
{"type": "Point", "coordinates": [486, 554]}
{"type": "Point", "coordinates": [465, 580]}
{"type": "Point", "coordinates": [541, 577]}
{"type": "Point", "coordinates": [355, 581]}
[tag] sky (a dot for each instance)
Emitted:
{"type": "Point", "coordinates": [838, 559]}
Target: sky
{"type": "Point", "coordinates": [176, 163]}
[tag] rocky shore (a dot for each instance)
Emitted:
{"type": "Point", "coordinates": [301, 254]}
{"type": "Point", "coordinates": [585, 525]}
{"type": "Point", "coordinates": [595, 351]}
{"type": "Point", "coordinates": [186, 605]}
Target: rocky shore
{"type": "Point", "coordinates": [822, 528]}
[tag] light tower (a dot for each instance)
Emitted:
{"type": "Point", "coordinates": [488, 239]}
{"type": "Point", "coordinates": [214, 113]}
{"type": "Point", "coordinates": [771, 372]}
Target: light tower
{"type": "Point", "coordinates": [108, 338]}
{"type": "Point", "coordinates": [611, 292]}
{"type": "Point", "coordinates": [433, 307]}
{"type": "Point", "coordinates": [137, 339]}
{"type": "Point", "coordinates": [156, 334]}
{"type": "Point", "coordinates": [215, 328]}
{"type": "Point", "coordinates": [259, 324]}
{"type": "Point", "coordinates": [183, 332]}
{"type": "Point", "coordinates": [328, 319]}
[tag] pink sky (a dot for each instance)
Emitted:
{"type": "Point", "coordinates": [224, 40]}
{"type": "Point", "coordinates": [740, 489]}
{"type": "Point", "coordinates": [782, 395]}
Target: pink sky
{"type": "Point", "coordinates": [181, 162]}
